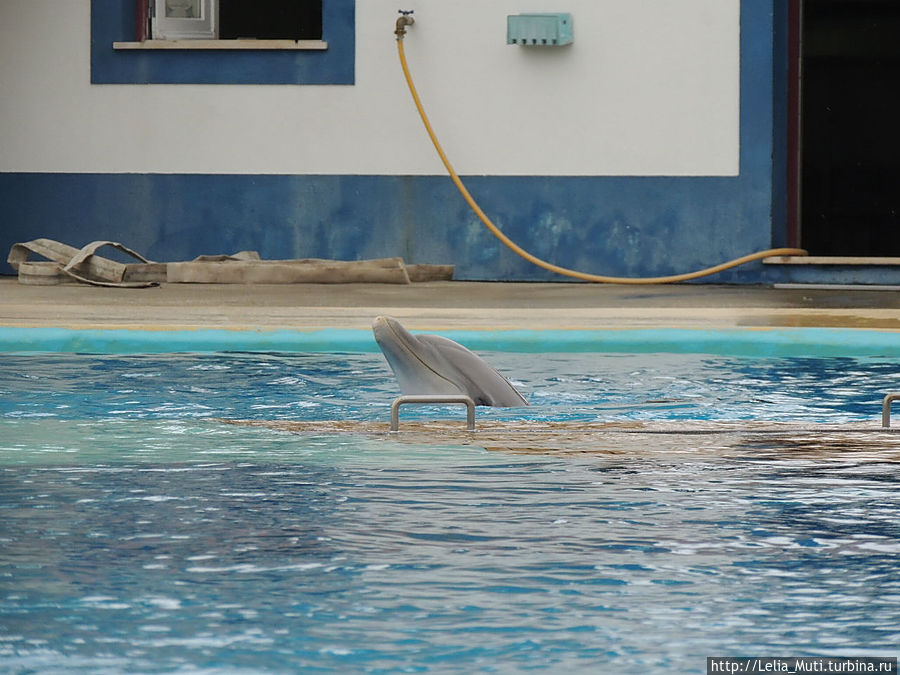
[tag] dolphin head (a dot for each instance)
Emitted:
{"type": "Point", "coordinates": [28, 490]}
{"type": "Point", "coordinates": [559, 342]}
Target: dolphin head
{"type": "Point", "coordinates": [430, 364]}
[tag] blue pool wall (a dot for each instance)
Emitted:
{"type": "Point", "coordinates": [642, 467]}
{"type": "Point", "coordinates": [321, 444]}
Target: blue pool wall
{"type": "Point", "coordinates": [613, 225]}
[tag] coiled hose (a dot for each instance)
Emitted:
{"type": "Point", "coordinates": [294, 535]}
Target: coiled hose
{"type": "Point", "coordinates": [597, 278]}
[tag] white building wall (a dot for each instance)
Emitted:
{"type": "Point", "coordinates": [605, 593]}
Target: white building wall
{"type": "Point", "coordinates": [649, 87]}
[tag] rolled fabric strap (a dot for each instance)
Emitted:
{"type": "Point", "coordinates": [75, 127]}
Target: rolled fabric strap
{"type": "Point", "coordinates": [42, 273]}
{"type": "Point", "coordinates": [104, 272]}
{"type": "Point", "coordinates": [80, 264]}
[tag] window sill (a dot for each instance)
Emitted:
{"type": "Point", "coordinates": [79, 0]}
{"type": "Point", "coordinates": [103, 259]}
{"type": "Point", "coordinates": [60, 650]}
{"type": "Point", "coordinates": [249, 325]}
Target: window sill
{"type": "Point", "coordinates": [229, 45]}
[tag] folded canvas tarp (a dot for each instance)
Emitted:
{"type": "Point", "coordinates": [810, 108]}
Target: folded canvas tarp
{"type": "Point", "coordinates": [68, 264]}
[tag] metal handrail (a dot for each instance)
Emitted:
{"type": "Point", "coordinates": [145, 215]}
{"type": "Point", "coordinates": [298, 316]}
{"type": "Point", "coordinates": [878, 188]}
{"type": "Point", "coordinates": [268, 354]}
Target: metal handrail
{"type": "Point", "coordinates": [448, 399]}
{"type": "Point", "coordinates": [440, 399]}
{"type": "Point", "coordinates": [886, 409]}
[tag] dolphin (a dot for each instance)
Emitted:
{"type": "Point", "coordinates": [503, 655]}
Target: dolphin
{"type": "Point", "coordinates": [431, 364]}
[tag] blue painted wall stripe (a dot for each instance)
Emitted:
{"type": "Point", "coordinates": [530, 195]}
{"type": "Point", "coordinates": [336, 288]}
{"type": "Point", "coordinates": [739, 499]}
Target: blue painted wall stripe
{"type": "Point", "coordinates": [605, 225]}
{"type": "Point", "coordinates": [787, 342]}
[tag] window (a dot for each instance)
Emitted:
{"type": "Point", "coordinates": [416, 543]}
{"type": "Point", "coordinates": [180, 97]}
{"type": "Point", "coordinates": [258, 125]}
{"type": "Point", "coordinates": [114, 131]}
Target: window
{"type": "Point", "coordinates": [234, 19]}
{"type": "Point", "coordinates": [320, 50]}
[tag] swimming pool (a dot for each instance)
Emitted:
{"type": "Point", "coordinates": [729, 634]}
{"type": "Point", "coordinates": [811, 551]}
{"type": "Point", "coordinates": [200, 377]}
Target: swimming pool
{"type": "Point", "coordinates": [139, 534]}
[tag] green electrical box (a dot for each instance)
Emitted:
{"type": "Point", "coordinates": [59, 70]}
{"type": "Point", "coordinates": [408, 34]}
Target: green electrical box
{"type": "Point", "coordinates": [539, 30]}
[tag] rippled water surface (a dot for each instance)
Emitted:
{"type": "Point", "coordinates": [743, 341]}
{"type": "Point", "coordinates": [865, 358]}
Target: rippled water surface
{"type": "Point", "coordinates": [139, 535]}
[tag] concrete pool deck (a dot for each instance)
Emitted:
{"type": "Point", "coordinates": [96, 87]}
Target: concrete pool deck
{"type": "Point", "coordinates": [436, 306]}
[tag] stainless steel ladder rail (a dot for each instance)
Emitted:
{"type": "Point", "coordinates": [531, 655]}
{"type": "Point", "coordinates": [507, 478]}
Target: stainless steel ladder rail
{"type": "Point", "coordinates": [449, 399]}
{"type": "Point", "coordinates": [439, 399]}
{"type": "Point", "coordinates": [886, 409]}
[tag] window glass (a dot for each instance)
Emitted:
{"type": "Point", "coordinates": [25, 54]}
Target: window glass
{"type": "Point", "coordinates": [183, 9]}
{"type": "Point", "coordinates": [270, 19]}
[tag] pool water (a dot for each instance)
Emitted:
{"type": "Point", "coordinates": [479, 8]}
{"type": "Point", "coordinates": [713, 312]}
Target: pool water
{"type": "Point", "coordinates": [139, 535]}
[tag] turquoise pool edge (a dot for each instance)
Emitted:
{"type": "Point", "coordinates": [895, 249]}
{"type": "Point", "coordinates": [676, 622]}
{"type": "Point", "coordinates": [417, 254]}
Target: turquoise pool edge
{"type": "Point", "coordinates": [764, 342]}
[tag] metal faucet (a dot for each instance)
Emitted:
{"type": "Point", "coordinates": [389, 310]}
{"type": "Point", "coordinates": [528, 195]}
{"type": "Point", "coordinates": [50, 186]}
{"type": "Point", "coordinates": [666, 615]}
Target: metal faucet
{"type": "Point", "coordinates": [405, 19]}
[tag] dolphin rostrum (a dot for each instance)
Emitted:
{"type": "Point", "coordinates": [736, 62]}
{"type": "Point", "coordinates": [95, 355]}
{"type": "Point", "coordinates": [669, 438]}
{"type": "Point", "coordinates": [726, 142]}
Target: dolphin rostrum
{"type": "Point", "coordinates": [431, 364]}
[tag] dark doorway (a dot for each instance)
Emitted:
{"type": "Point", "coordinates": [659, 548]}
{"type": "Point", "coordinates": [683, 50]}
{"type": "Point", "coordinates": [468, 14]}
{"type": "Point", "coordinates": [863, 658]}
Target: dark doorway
{"type": "Point", "coordinates": [270, 19]}
{"type": "Point", "coordinates": [850, 127]}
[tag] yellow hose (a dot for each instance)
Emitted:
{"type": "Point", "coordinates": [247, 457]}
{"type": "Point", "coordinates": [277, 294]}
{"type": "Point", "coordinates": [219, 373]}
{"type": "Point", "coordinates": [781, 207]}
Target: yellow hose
{"type": "Point", "coordinates": [550, 266]}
